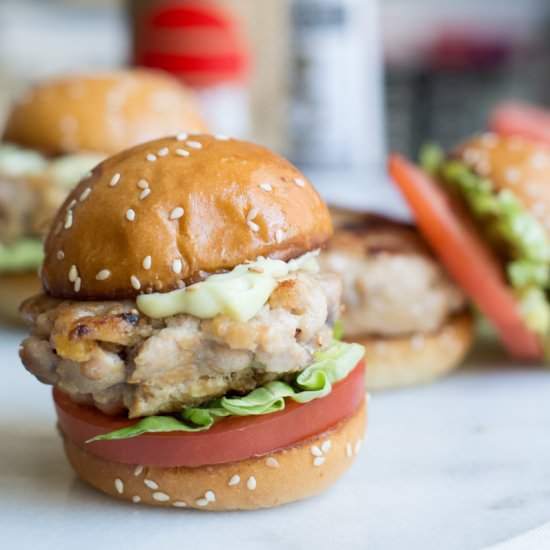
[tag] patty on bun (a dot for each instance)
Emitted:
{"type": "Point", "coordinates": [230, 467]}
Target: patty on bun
{"type": "Point", "coordinates": [182, 295]}
{"type": "Point", "coordinates": [55, 133]}
{"type": "Point", "coordinates": [398, 301]}
{"type": "Point", "coordinates": [485, 209]}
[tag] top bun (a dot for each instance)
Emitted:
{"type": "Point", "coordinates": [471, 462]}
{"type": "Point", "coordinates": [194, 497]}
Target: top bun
{"type": "Point", "coordinates": [156, 216]}
{"type": "Point", "coordinates": [105, 112]}
{"type": "Point", "coordinates": [514, 163]}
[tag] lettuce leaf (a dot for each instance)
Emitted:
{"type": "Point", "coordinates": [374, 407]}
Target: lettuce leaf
{"type": "Point", "coordinates": [23, 255]}
{"type": "Point", "coordinates": [314, 382]}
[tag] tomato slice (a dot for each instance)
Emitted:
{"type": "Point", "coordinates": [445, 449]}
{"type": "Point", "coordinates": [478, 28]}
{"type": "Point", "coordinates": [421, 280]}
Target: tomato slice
{"type": "Point", "coordinates": [455, 239]}
{"type": "Point", "coordinates": [230, 440]}
{"type": "Point", "coordinates": [521, 119]}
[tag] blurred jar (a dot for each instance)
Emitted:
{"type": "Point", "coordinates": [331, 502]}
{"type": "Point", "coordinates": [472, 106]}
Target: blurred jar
{"type": "Point", "coordinates": [203, 43]}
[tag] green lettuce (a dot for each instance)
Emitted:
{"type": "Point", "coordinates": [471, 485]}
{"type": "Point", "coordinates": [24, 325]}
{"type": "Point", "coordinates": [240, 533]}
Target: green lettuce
{"type": "Point", "coordinates": [314, 382]}
{"type": "Point", "coordinates": [518, 236]}
{"type": "Point", "coordinates": [23, 255]}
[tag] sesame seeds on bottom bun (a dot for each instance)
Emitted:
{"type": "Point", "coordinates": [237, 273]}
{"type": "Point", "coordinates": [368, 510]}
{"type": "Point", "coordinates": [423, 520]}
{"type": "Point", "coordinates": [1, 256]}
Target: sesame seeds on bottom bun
{"type": "Point", "coordinates": [283, 476]}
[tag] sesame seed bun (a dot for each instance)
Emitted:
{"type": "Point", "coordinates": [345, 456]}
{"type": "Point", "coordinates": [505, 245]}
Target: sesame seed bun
{"type": "Point", "coordinates": [101, 112]}
{"type": "Point", "coordinates": [514, 163]}
{"type": "Point", "coordinates": [283, 476]}
{"type": "Point", "coordinates": [157, 216]}
{"type": "Point", "coordinates": [14, 289]}
{"type": "Point", "coordinates": [417, 359]}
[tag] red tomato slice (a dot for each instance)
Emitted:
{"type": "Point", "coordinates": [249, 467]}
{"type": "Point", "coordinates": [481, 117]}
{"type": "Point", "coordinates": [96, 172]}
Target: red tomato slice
{"type": "Point", "coordinates": [455, 239]}
{"type": "Point", "coordinates": [230, 440]}
{"type": "Point", "coordinates": [521, 119]}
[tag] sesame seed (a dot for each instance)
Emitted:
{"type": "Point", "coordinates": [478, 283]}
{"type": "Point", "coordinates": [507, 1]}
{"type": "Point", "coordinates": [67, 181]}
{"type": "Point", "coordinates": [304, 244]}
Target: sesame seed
{"type": "Point", "coordinates": [130, 215]}
{"type": "Point", "coordinates": [179, 504]}
{"type": "Point", "coordinates": [73, 273]}
{"type": "Point", "coordinates": [357, 446]}
{"type": "Point", "coordinates": [160, 496]}
{"type": "Point", "coordinates": [194, 144]}
{"type": "Point", "coordinates": [151, 484]}
{"type": "Point", "coordinates": [144, 194]}
{"type": "Point", "coordinates": [135, 282]}
{"type": "Point", "coordinates": [315, 451]}
{"type": "Point", "coordinates": [103, 275]}
{"type": "Point", "coordinates": [138, 470]}
{"type": "Point", "coordinates": [60, 255]}
{"type": "Point", "coordinates": [210, 496]}
{"type": "Point", "coordinates": [234, 480]}
{"type": "Point", "coordinates": [266, 186]}
{"type": "Point", "coordinates": [538, 160]}
{"type": "Point", "coordinates": [85, 194]}
{"type": "Point", "coordinates": [489, 139]}
{"type": "Point", "coordinates": [68, 219]}
{"type": "Point", "coordinates": [299, 182]}
{"type": "Point", "coordinates": [279, 235]}
{"type": "Point", "coordinates": [252, 214]}
{"type": "Point", "coordinates": [253, 226]}
{"type": "Point", "coordinates": [182, 153]}
{"type": "Point", "coordinates": [147, 262]}
{"type": "Point", "coordinates": [417, 341]}
{"type": "Point", "coordinates": [271, 462]}
{"type": "Point", "coordinates": [319, 461]}
{"type": "Point", "coordinates": [177, 265]}
{"type": "Point", "coordinates": [77, 284]}
{"type": "Point", "coordinates": [326, 446]}
{"type": "Point", "coordinates": [221, 137]}
{"type": "Point", "coordinates": [201, 502]}
{"type": "Point", "coordinates": [251, 483]}
{"type": "Point", "coordinates": [114, 180]}
{"type": "Point", "coordinates": [119, 486]}
{"type": "Point", "coordinates": [176, 213]}
{"type": "Point", "coordinates": [163, 152]}
{"type": "Point", "coordinates": [72, 204]}
{"type": "Point", "coordinates": [182, 136]}
{"type": "Point", "coordinates": [143, 184]}
{"type": "Point", "coordinates": [512, 175]}
{"type": "Point", "coordinates": [150, 157]}
{"type": "Point", "coordinates": [349, 450]}
{"type": "Point", "coordinates": [136, 499]}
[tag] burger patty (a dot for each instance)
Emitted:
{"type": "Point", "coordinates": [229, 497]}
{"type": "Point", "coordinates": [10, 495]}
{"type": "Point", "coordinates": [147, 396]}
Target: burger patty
{"type": "Point", "coordinates": [109, 355]}
{"type": "Point", "coordinates": [392, 285]}
{"type": "Point", "coordinates": [27, 205]}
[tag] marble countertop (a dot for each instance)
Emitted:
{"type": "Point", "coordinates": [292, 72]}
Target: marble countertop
{"type": "Point", "coordinates": [457, 465]}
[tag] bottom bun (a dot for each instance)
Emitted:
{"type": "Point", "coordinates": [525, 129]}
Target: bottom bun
{"type": "Point", "coordinates": [280, 477]}
{"type": "Point", "coordinates": [396, 362]}
{"type": "Point", "coordinates": [14, 289]}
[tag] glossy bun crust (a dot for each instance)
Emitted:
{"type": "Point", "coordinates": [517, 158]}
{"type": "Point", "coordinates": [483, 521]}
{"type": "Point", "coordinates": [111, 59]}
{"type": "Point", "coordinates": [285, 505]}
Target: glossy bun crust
{"type": "Point", "coordinates": [159, 215]}
{"type": "Point", "coordinates": [514, 163]}
{"type": "Point", "coordinates": [103, 112]}
{"type": "Point", "coordinates": [283, 476]}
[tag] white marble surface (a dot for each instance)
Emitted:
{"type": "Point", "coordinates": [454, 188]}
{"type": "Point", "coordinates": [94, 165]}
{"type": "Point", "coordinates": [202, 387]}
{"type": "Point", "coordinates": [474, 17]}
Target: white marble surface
{"type": "Point", "coordinates": [457, 465]}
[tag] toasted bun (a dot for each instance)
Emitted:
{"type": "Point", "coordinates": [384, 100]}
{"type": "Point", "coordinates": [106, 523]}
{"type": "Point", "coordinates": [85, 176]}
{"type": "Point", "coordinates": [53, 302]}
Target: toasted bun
{"type": "Point", "coordinates": [226, 203]}
{"type": "Point", "coordinates": [101, 112]}
{"type": "Point", "coordinates": [395, 362]}
{"type": "Point", "coordinates": [514, 163]}
{"type": "Point", "coordinates": [283, 476]}
{"type": "Point", "coordinates": [14, 289]}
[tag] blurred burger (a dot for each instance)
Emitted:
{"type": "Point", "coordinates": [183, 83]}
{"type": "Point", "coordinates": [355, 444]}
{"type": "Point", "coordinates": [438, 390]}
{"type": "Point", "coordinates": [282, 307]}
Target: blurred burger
{"type": "Point", "coordinates": [57, 132]}
{"type": "Point", "coordinates": [182, 295]}
{"type": "Point", "coordinates": [399, 302]}
{"type": "Point", "coordinates": [485, 209]}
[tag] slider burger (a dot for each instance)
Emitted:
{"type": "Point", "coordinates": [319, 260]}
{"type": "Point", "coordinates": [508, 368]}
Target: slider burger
{"type": "Point", "coordinates": [187, 330]}
{"type": "Point", "coordinates": [399, 301]}
{"type": "Point", "coordinates": [55, 133]}
{"type": "Point", "coordinates": [485, 210]}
